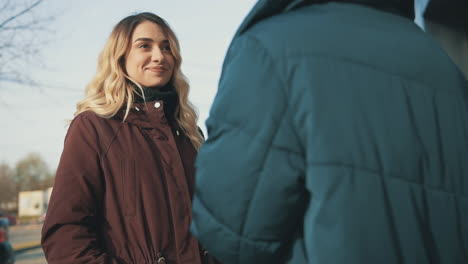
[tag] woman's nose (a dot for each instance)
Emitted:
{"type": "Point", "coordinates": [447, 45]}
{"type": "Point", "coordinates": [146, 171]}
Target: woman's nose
{"type": "Point", "coordinates": [158, 55]}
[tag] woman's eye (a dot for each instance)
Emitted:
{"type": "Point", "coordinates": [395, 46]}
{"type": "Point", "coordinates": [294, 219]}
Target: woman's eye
{"type": "Point", "coordinates": [167, 48]}
{"type": "Point", "coordinates": [143, 46]}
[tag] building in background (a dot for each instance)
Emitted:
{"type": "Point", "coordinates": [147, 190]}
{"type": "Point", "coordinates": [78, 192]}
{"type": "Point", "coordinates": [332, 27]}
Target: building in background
{"type": "Point", "coordinates": [33, 204]}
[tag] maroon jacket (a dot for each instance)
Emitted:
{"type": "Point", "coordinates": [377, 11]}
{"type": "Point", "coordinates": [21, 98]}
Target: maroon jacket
{"type": "Point", "coordinates": [122, 192]}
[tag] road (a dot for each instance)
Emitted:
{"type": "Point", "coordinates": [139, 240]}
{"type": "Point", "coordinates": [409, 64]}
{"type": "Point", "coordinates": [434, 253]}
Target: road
{"type": "Point", "coordinates": [35, 256]}
{"type": "Point", "coordinates": [27, 236]}
{"type": "Point", "coordinates": [25, 233]}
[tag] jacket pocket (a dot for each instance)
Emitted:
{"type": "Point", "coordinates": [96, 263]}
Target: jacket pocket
{"type": "Point", "coordinates": [129, 187]}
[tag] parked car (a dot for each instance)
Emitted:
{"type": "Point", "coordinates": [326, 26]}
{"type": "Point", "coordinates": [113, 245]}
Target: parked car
{"type": "Point", "coordinates": [7, 255]}
{"type": "Point", "coordinates": [11, 218]}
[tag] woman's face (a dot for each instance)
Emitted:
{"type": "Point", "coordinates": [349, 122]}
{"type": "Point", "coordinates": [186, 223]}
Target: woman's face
{"type": "Point", "coordinates": [149, 60]}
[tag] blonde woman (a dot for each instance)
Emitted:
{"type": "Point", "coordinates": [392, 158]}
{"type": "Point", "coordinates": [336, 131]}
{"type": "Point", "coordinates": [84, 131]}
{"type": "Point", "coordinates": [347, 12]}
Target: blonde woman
{"type": "Point", "coordinates": [124, 184]}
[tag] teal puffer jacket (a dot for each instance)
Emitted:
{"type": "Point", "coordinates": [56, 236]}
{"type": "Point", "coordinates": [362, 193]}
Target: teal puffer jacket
{"type": "Point", "coordinates": [339, 135]}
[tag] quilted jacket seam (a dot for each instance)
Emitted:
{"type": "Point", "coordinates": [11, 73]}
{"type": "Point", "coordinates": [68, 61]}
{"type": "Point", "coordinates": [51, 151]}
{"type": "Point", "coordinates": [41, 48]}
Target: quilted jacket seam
{"type": "Point", "coordinates": [387, 176]}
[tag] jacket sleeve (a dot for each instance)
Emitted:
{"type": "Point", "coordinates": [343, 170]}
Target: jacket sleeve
{"type": "Point", "coordinates": [69, 234]}
{"type": "Point", "coordinates": [250, 197]}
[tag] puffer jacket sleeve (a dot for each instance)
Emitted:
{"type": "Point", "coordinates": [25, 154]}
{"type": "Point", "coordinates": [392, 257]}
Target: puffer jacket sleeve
{"type": "Point", "coordinates": [250, 196]}
{"type": "Point", "coordinates": [69, 233]}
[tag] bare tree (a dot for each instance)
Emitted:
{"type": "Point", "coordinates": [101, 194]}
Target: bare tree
{"type": "Point", "coordinates": [21, 38]}
{"type": "Point", "coordinates": [8, 186]}
{"type": "Point", "coordinates": [32, 173]}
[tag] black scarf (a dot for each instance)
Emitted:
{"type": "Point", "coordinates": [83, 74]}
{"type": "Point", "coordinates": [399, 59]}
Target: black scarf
{"type": "Point", "coordinates": [167, 94]}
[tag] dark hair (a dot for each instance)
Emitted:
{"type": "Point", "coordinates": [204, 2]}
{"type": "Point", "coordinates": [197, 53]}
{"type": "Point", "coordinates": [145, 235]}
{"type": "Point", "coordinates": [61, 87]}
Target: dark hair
{"type": "Point", "coordinates": [452, 14]}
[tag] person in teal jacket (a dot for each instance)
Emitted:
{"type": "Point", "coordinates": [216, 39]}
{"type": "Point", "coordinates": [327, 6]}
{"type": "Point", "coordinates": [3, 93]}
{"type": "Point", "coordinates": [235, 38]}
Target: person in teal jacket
{"type": "Point", "coordinates": [339, 135]}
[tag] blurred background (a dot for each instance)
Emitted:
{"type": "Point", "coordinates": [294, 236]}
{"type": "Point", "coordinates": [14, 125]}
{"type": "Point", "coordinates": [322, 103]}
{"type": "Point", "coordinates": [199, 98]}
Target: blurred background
{"type": "Point", "coordinates": [48, 53]}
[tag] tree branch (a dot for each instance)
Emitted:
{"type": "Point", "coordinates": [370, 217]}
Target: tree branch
{"type": "Point", "coordinates": [20, 13]}
{"type": "Point", "coordinates": [21, 34]}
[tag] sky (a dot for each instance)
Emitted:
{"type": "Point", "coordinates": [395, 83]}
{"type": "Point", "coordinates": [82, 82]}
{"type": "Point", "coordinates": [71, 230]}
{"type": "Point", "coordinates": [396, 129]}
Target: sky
{"type": "Point", "coordinates": [34, 119]}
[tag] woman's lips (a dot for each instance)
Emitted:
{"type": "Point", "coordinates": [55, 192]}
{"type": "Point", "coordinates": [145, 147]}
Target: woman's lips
{"type": "Point", "coordinates": [157, 69]}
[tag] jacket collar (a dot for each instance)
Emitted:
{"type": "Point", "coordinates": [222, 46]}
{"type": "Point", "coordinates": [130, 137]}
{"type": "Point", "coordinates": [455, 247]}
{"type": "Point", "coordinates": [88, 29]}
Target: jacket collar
{"type": "Point", "coordinates": [267, 8]}
{"type": "Point", "coordinates": [160, 107]}
{"type": "Point", "coordinates": [166, 95]}
{"type": "Point", "coordinates": [146, 115]}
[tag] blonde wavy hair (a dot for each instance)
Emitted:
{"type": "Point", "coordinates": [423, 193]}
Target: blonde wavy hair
{"type": "Point", "coordinates": [111, 88]}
